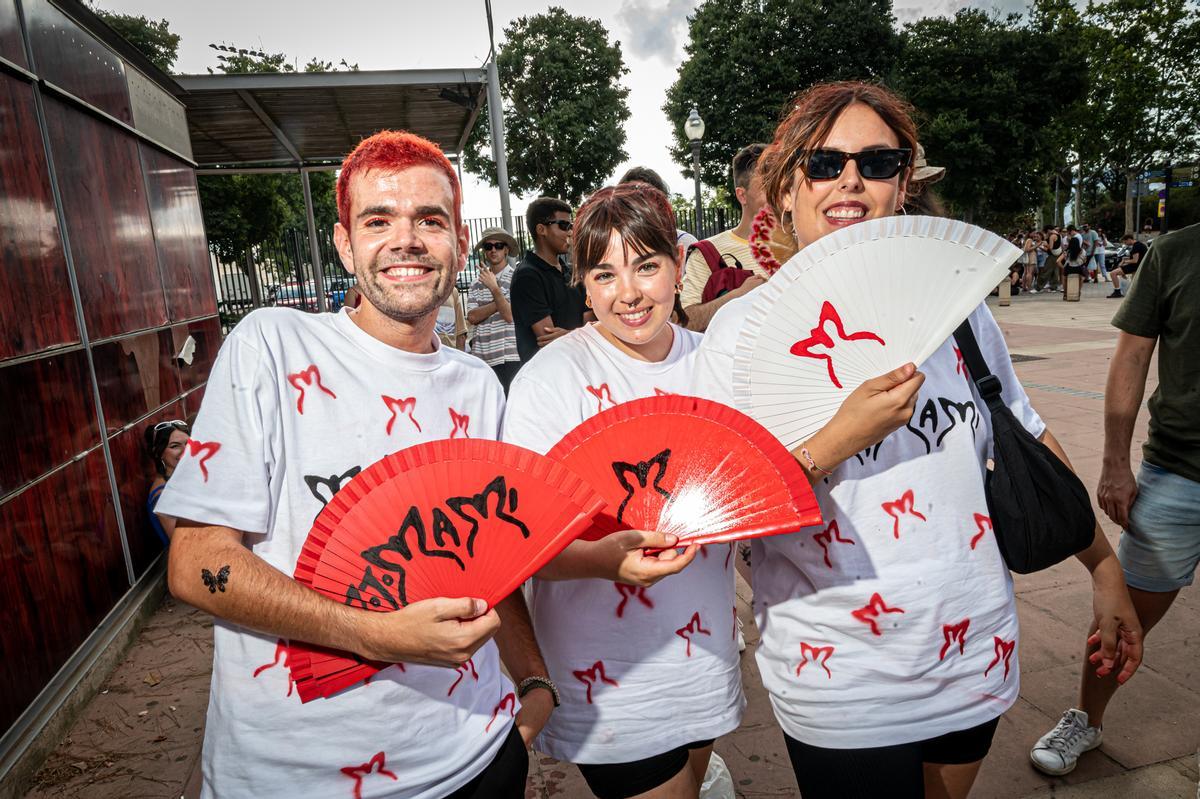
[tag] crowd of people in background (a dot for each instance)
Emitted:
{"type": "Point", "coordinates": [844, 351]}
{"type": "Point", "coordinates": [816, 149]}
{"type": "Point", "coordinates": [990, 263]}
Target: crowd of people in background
{"type": "Point", "coordinates": [1050, 255]}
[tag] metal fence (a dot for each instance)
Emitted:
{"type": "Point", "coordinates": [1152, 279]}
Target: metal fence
{"type": "Point", "coordinates": [279, 272]}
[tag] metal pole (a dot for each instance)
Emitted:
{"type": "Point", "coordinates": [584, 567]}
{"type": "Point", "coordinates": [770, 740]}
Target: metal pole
{"type": "Point", "coordinates": [314, 250]}
{"type": "Point", "coordinates": [252, 275]}
{"type": "Point", "coordinates": [496, 118]}
{"type": "Point", "coordinates": [696, 173]}
{"type": "Point", "coordinates": [1057, 217]}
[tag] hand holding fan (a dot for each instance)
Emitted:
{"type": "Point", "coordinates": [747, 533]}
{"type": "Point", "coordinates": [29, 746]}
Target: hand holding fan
{"type": "Point", "coordinates": [694, 468]}
{"type": "Point", "coordinates": [454, 518]}
{"type": "Point", "coordinates": [854, 305]}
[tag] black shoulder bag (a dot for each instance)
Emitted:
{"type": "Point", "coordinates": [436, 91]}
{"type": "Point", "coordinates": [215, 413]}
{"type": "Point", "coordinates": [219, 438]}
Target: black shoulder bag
{"type": "Point", "coordinates": [1041, 512]}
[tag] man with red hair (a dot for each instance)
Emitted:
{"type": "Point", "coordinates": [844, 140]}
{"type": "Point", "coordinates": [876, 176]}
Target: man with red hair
{"type": "Point", "coordinates": [296, 405]}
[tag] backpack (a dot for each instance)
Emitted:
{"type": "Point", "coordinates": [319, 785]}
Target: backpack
{"type": "Point", "coordinates": [724, 278]}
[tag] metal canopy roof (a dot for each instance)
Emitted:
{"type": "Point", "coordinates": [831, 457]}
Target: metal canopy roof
{"type": "Point", "coordinates": [315, 119]}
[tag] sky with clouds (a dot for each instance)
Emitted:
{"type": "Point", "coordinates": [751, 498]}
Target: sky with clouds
{"type": "Point", "coordinates": [405, 34]}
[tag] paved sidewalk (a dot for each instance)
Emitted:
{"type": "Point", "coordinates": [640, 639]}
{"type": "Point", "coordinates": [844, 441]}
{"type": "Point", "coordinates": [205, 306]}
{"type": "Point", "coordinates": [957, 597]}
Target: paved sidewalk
{"type": "Point", "coordinates": [141, 737]}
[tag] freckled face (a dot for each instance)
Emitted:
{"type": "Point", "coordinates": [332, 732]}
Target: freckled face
{"type": "Point", "coordinates": [820, 207]}
{"type": "Point", "coordinates": [633, 295]}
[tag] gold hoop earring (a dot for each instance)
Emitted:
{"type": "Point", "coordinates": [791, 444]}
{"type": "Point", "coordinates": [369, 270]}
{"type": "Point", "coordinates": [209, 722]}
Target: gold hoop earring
{"type": "Point", "coordinates": [902, 211]}
{"type": "Point", "coordinates": [587, 301]}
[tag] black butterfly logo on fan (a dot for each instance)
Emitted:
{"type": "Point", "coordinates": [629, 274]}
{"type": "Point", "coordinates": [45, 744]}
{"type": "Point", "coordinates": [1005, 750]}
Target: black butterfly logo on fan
{"type": "Point", "coordinates": [495, 500]}
{"type": "Point", "coordinates": [331, 484]}
{"type": "Point", "coordinates": [641, 473]}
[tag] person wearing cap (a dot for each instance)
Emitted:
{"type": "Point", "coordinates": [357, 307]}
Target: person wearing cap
{"type": "Point", "coordinates": [489, 306]}
{"type": "Point", "coordinates": [922, 199]}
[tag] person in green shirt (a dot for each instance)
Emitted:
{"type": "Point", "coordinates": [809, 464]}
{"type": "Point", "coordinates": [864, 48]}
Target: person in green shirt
{"type": "Point", "coordinates": [1159, 512]}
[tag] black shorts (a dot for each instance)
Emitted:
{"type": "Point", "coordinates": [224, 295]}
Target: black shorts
{"type": "Point", "coordinates": [622, 780]}
{"type": "Point", "coordinates": [893, 771]}
{"type": "Point", "coordinates": [504, 778]}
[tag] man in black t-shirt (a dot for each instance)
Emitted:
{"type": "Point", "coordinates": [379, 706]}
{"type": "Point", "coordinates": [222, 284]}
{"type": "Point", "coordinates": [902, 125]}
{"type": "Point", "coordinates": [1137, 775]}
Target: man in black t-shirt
{"type": "Point", "coordinates": [1128, 265]}
{"type": "Point", "coordinates": [544, 303]}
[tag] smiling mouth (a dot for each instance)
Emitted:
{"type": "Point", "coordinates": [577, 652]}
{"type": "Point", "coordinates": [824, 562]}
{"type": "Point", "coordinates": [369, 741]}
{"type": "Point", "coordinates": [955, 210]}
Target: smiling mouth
{"type": "Point", "coordinates": [846, 213]}
{"type": "Point", "coordinates": [406, 271]}
{"type": "Point", "coordinates": [635, 318]}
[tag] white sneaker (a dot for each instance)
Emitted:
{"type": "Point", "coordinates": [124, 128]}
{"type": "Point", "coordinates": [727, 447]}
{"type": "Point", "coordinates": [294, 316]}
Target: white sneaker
{"type": "Point", "coordinates": [1033, 291]}
{"type": "Point", "coordinates": [741, 638]}
{"type": "Point", "coordinates": [1058, 751]}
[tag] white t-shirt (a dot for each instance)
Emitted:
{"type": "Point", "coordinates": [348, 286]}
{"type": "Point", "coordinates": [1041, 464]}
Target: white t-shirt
{"type": "Point", "coordinates": [895, 621]}
{"type": "Point", "coordinates": [296, 404]}
{"type": "Point", "coordinates": [641, 670]}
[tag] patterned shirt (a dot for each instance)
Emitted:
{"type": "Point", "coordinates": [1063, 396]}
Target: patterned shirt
{"type": "Point", "coordinates": [495, 341]}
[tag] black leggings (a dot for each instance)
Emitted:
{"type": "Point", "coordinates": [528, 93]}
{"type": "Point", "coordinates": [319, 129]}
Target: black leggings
{"type": "Point", "coordinates": [622, 780]}
{"type": "Point", "coordinates": [504, 778]}
{"type": "Point", "coordinates": [895, 772]}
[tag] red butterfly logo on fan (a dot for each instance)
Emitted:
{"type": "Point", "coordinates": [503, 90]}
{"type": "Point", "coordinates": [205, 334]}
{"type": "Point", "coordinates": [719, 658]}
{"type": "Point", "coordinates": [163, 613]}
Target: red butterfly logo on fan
{"type": "Point", "coordinates": [902, 507]}
{"type": "Point", "coordinates": [389, 557]}
{"type": "Point", "coordinates": [463, 669]}
{"type": "Point", "coordinates": [954, 633]}
{"type": "Point", "coordinates": [406, 405]}
{"type": "Point", "coordinates": [815, 654]}
{"type": "Point", "coordinates": [984, 525]}
{"type": "Point", "coordinates": [871, 611]}
{"type": "Point", "coordinates": [307, 378]}
{"type": "Point", "coordinates": [460, 422]}
{"type": "Point", "coordinates": [641, 473]}
{"type": "Point", "coordinates": [376, 765]}
{"type": "Point", "coordinates": [282, 652]}
{"type": "Point", "coordinates": [826, 537]}
{"type": "Point", "coordinates": [1004, 650]}
{"type": "Point", "coordinates": [626, 591]}
{"type": "Point", "coordinates": [591, 675]}
{"type": "Point", "coordinates": [202, 450]}
{"type": "Point", "coordinates": [691, 628]}
{"type": "Point", "coordinates": [820, 339]}
{"type": "Point", "coordinates": [509, 703]}
{"type": "Point", "coordinates": [602, 395]}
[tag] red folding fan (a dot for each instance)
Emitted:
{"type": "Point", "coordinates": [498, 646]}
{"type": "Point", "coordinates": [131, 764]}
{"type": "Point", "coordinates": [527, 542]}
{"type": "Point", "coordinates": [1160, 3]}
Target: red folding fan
{"type": "Point", "coordinates": [455, 518]}
{"type": "Point", "coordinates": [695, 468]}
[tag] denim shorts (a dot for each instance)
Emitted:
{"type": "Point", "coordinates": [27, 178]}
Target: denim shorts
{"type": "Point", "coordinates": [1161, 548]}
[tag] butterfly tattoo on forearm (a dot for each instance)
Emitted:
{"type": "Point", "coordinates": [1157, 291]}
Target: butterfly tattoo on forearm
{"type": "Point", "coordinates": [215, 583]}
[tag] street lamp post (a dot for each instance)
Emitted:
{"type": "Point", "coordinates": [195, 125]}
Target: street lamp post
{"type": "Point", "coordinates": [693, 128]}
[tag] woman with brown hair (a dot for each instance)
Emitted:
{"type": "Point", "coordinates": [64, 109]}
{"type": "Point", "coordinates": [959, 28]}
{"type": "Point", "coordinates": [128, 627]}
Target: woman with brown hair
{"type": "Point", "coordinates": [889, 635]}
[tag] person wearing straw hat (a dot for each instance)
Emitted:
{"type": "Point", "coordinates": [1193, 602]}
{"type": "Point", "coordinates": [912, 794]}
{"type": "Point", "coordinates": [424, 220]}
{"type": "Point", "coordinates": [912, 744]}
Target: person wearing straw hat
{"type": "Point", "coordinates": [921, 198]}
{"type": "Point", "coordinates": [489, 306]}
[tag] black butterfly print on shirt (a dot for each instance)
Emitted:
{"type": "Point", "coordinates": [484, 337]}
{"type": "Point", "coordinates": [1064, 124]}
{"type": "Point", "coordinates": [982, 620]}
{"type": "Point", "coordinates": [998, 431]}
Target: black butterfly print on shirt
{"type": "Point", "coordinates": [641, 473]}
{"type": "Point", "coordinates": [323, 488]}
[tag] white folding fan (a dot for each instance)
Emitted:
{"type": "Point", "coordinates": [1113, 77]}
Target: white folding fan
{"type": "Point", "coordinates": [854, 305]}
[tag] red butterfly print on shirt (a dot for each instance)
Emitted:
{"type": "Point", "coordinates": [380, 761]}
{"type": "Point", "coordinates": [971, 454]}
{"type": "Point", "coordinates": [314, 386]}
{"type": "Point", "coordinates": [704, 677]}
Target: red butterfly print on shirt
{"type": "Point", "coordinates": [902, 507]}
{"type": "Point", "coordinates": [202, 450]}
{"type": "Point", "coordinates": [984, 525]}
{"type": "Point", "coordinates": [1004, 650]}
{"type": "Point", "coordinates": [815, 654]}
{"type": "Point", "coordinates": [463, 669]}
{"type": "Point", "coordinates": [406, 405]}
{"type": "Point", "coordinates": [960, 367]}
{"type": "Point", "coordinates": [819, 338]}
{"type": "Point", "coordinates": [602, 395]}
{"type": "Point", "coordinates": [591, 675]}
{"type": "Point", "coordinates": [952, 633]}
{"type": "Point", "coordinates": [376, 765]}
{"type": "Point", "coordinates": [869, 612]}
{"type": "Point", "coordinates": [281, 654]}
{"type": "Point", "coordinates": [691, 628]}
{"type": "Point", "coordinates": [829, 535]}
{"type": "Point", "coordinates": [460, 422]}
{"type": "Point", "coordinates": [509, 703]}
{"type": "Point", "coordinates": [626, 591]}
{"type": "Point", "coordinates": [308, 377]}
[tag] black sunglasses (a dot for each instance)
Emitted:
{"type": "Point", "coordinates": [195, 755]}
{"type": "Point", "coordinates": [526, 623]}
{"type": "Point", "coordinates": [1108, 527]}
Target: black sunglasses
{"type": "Point", "coordinates": [563, 224]}
{"type": "Point", "coordinates": [488, 246]}
{"type": "Point", "coordinates": [882, 164]}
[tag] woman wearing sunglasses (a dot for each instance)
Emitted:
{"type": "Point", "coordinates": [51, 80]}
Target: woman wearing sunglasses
{"type": "Point", "coordinates": [164, 442]}
{"type": "Point", "coordinates": [889, 635]}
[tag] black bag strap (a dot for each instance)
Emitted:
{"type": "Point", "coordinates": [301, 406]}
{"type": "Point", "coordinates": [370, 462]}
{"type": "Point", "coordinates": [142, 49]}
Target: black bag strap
{"type": "Point", "coordinates": [988, 384]}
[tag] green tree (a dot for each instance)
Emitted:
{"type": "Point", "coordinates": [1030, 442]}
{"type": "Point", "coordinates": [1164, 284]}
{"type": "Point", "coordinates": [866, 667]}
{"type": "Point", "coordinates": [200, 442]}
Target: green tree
{"type": "Point", "coordinates": [745, 59]}
{"type": "Point", "coordinates": [564, 107]}
{"type": "Point", "coordinates": [152, 37]}
{"type": "Point", "coordinates": [986, 110]}
{"type": "Point", "coordinates": [1145, 98]}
